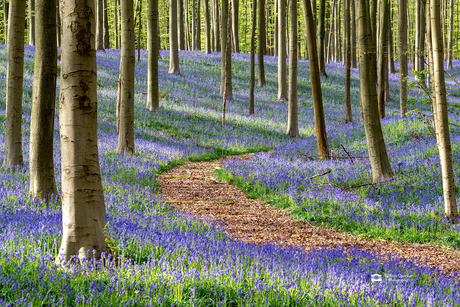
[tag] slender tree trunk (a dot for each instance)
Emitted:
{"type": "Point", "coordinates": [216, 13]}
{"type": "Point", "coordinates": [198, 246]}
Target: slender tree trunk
{"type": "Point", "coordinates": [381, 168]}
{"type": "Point", "coordinates": [187, 26]}
{"type": "Point", "coordinates": [194, 26]}
{"type": "Point", "coordinates": [276, 31]}
{"type": "Point", "coordinates": [451, 32]}
{"type": "Point", "coordinates": [198, 26]}
{"type": "Point", "coordinates": [282, 75]}
{"type": "Point", "coordinates": [139, 33]}
{"type": "Point", "coordinates": [374, 26]}
{"type": "Point", "coordinates": [42, 183]}
{"type": "Point", "coordinates": [83, 208]}
{"type": "Point", "coordinates": [419, 41]}
{"type": "Point", "coordinates": [353, 35]}
{"type": "Point", "coordinates": [293, 122]}
{"type": "Point", "coordinates": [100, 25]}
{"type": "Point", "coordinates": [347, 60]}
{"type": "Point", "coordinates": [153, 52]}
{"type": "Point", "coordinates": [236, 37]}
{"type": "Point", "coordinates": [226, 66]}
{"type": "Point", "coordinates": [322, 37]}
{"type": "Point", "coordinates": [216, 25]}
{"type": "Point", "coordinates": [441, 115]}
{"type": "Point", "coordinates": [208, 26]}
{"type": "Point", "coordinates": [173, 50]}
{"type": "Point", "coordinates": [253, 50]}
{"type": "Point", "coordinates": [32, 22]}
{"type": "Point", "coordinates": [126, 115]}
{"type": "Point", "coordinates": [58, 24]}
{"type": "Point", "coordinates": [14, 82]}
{"type": "Point", "coordinates": [115, 19]}
{"type": "Point", "coordinates": [106, 27]}
{"type": "Point", "coordinates": [227, 61]}
{"type": "Point", "coordinates": [181, 24]}
{"type": "Point", "coordinates": [402, 45]}
{"type": "Point", "coordinates": [391, 62]}
{"type": "Point", "coordinates": [6, 9]}
{"type": "Point", "coordinates": [331, 30]}
{"type": "Point", "coordinates": [383, 58]}
{"type": "Point", "coordinates": [261, 43]}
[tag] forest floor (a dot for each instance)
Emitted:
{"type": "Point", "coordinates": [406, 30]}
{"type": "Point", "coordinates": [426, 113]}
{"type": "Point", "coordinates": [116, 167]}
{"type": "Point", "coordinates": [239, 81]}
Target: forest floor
{"type": "Point", "coordinates": [193, 189]}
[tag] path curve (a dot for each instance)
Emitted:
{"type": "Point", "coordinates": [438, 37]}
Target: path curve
{"type": "Point", "coordinates": [192, 188]}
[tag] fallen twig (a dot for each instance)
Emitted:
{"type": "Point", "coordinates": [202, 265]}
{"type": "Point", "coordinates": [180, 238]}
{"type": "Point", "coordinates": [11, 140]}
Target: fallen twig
{"type": "Point", "coordinates": [348, 154]}
{"type": "Point", "coordinates": [322, 174]}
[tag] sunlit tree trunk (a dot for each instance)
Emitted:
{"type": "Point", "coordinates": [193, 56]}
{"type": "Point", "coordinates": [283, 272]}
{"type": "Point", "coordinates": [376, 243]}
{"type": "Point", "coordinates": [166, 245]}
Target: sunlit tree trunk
{"type": "Point", "coordinates": [451, 34]}
{"type": "Point", "coordinates": [353, 35]}
{"type": "Point", "coordinates": [153, 50]}
{"type": "Point", "coordinates": [261, 43]}
{"type": "Point", "coordinates": [282, 74]}
{"type": "Point", "coordinates": [83, 208]}
{"type": "Point", "coordinates": [14, 82]}
{"type": "Point", "coordinates": [402, 50]}
{"type": "Point", "coordinates": [42, 183]}
{"type": "Point", "coordinates": [293, 122]}
{"type": "Point", "coordinates": [253, 50]}
{"type": "Point", "coordinates": [208, 26]}
{"type": "Point", "coordinates": [32, 22]}
{"type": "Point", "coordinates": [441, 115]}
{"type": "Point", "coordinates": [226, 66]}
{"type": "Point", "coordinates": [173, 50]}
{"type": "Point", "coordinates": [381, 168]}
{"type": "Point", "coordinates": [383, 57]}
{"type": "Point", "coordinates": [126, 113]}
{"type": "Point", "coordinates": [347, 60]}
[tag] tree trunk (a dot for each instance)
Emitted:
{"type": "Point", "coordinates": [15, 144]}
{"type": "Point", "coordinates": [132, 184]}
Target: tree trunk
{"type": "Point", "coordinates": [6, 9]}
{"type": "Point", "coordinates": [173, 51]}
{"type": "Point", "coordinates": [402, 45]}
{"type": "Point", "coordinates": [253, 50]}
{"type": "Point", "coordinates": [419, 41]}
{"type": "Point", "coordinates": [14, 82]}
{"type": "Point", "coordinates": [451, 33]}
{"type": "Point", "coordinates": [261, 43]}
{"type": "Point", "coordinates": [198, 26]}
{"type": "Point", "coordinates": [322, 37]}
{"type": "Point", "coordinates": [208, 26]}
{"type": "Point", "coordinates": [381, 168]}
{"type": "Point", "coordinates": [58, 24]}
{"type": "Point", "coordinates": [373, 20]}
{"type": "Point", "coordinates": [216, 25]}
{"type": "Point", "coordinates": [226, 66]}
{"type": "Point", "coordinates": [383, 57]}
{"type": "Point", "coordinates": [32, 22]}
{"type": "Point", "coordinates": [236, 37]}
{"type": "Point", "coordinates": [353, 35]}
{"type": "Point", "coordinates": [441, 116]}
{"type": "Point", "coordinates": [181, 24]}
{"type": "Point", "coordinates": [126, 115]}
{"type": "Point", "coordinates": [293, 123]}
{"type": "Point", "coordinates": [42, 183]}
{"type": "Point", "coordinates": [194, 26]}
{"type": "Point", "coordinates": [391, 62]}
{"type": "Point", "coordinates": [153, 52]}
{"type": "Point", "coordinates": [100, 25]}
{"type": "Point", "coordinates": [83, 208]}
{"type": "Point", "coordinates": [282, 75]}
{"type": "Point", "coordinates": [139, 32]}
{"type": "Point", "coordinates": [227, 61]}
{"type": "Point", "coordinates": [106, 27]}
{"type": "Point", "coordinates": [276, 27]}
{"type": "Point", "coordinates": [320, 124]}
{"type": "Point", "coordinates": [347, 60]}
{"type": "Point", "coordinates": [115, 13]}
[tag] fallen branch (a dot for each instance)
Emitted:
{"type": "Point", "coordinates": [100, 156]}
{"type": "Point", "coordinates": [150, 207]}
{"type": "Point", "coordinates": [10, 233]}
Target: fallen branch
{"type": "Point", "coordinates": [348, 154]}
{"type": "Point", "coordinates": [322, 174]}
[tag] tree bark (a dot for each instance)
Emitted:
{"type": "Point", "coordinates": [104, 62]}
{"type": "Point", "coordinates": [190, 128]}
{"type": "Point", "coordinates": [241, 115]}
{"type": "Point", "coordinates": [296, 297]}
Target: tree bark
{"type": "Point", "coordinates": [32, 22]}
{"type": "Point", "coordinates": [276, 29]}
{"type": "Point", "coordinates": [347, 60]}
{"type": "Point", "coordinates": [322, 37]}
{"type": "Point", "coordinates": [216, 25]}
{"type": "Point", "coordinates": [126, 115]}
{"type": "Point", "coordinates": [451, 33]}
{"type": "Point", "coordinates": [6, 9]}
{"type": "Point", "coordinates": [100, 25]}
{"type": "Point", "coordinates": [227, 59]}
{"type": "Point", "coordinates": [106, 27]}
{"type": "Point", "coordinates": [261, 47]}
{"type": "Point", "coordinates": [391, 62]}
{"type": "Point", "coordinates": [282, 75]}
{"type": "Point", "coordinates": [14, 82]}
{"type": "Point", "coordinates": [226, 66]}
{"type": "Point", "coordinates": [115, 12]}
{"type": "Point", "coordinates": [139, 32]}
{"type": "Point", "coordinates": [441, 116]}
{"type": "Point", "coordinates": [173, 50]}
{"type": "Point", "coordinates": [194, 26]}
{"type": "Point", "coordinates": [293, 122]}
{"type": "Point", "coordinates": [353, 35]}
{"type": "Point", "coordinates": [402, 45]}
{"type": "Point", "coordinates": [181, 24]}
{"type": "Point", "coordinates": [235, 28]}
{"type": "Point", "coordinates": [198, 26]}
{"type": "Point", "coordinates": [383, 57]}
{"type": "Point", "coordinates": [381, 168]}
{"type": "Point", "coordinates": [42, 183]}
{"type": "Point", "coordinates": [253, 50]}
{"type": "Point", "coordinates": [419, 41]}
{"type": "Point", "coordinates": [58, 24]}
{"type": "Point", "coordinates": [83, 208]}
{"type": "Point", "coordinates": [153, 52]}
{"type": "Point", "coordinates": [208, 27]}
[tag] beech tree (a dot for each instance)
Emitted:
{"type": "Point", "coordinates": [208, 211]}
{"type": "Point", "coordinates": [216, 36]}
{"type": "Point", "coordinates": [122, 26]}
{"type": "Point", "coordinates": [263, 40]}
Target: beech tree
{"type": "Point", "coordinates": [100, 25]}
{"type": "Point", "coordinates": [293, 122]}
{"type": "Point", "coordinates": [381, 168]}
{"type": "Point", "coordinates": [235, 28]}
{"type": "Point", "coordinates": [402, 54]}
{"type": "Point", "coordinates": [226, 66]}
{"type": "Point", "coordinates": [42, 182]}
{"type": "Point", "coordinates": [282, 75]}
{"type": "Point", "coordinates": [126, 113]}
{"type": "Point", "coordinates": [253, 50]}
{"type": "Point", "coordinates": [419, 64]}
{"type": "Point", "coordinates": [32, 22]}
{"type": "Point", "coordinates": [14, 82]}
{"type": "Point", "coordinates": [451, 34]}
{"type": "Point", "coordinates": [347, 60]}
{"type": "Point", "coordinates": [153, 52]}
{"type": "Point", "coordinates": [261, 44]}
{"type": "Point", "coordinates": [83, 207]}
{"type": "Point", "coordinates": [321, 37]}
{"type": "Point", "coordinates": [383, 57]}
{"type": "Point", "coordinates": [173, 43]}
{"type": "Point", "coordinates": [207, 26]}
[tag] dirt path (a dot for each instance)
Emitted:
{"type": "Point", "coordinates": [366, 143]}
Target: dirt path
{"type": "Point", "coordinates": [192, 188]}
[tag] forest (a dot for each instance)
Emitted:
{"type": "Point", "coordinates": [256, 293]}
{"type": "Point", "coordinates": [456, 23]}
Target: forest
{"type": "Point", "coordinates": [229, 153]}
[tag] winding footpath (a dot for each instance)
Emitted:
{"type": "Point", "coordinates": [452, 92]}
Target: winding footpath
{"type": "Point", "coordinates": [191, 188]}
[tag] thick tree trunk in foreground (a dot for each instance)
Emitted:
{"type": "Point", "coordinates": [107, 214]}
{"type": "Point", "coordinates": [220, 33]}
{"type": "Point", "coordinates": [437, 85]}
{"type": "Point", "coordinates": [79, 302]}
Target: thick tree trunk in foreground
{"type": "Point", "coordinates": [226, 66]}
{"type": "Point", "coordinates": [320, 124]}
{"type": "Point", "coordinates": [173, 48]}
{"type": "Point", "coordinates": [293, 122]}
{"type": "Point", "coordinates": [402, 50]}
{"type": "Point", "coordinates": [383, 57]}
{"type": "Point", "coordinates": [261, 43]}
{"type": "Point", "coordinates": [153, 51]}
{"type": "Point", "coordinates": [42, 183]}
{"type": "Point", "coordinates": [126, 113]}
{"type": "Point", "coordinates": [282, 74]}
{"type": "Point", "coordinates": [441, 115]}
{"type": "Point", "coordinates": [381, 168]}
{"type": "Point", "coordinates": [83, 208]}
{"type": "Point", "coordinates": [14, 82]}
